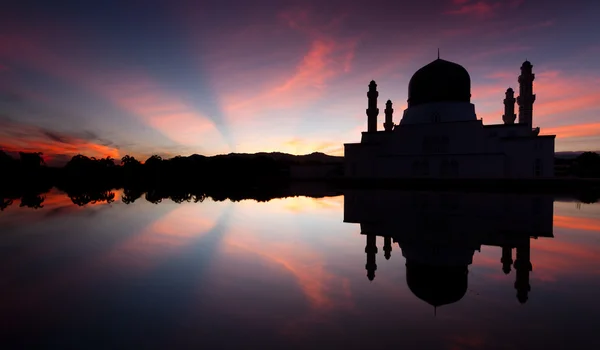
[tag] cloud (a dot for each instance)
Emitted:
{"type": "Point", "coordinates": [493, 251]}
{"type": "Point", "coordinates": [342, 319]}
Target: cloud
{"type": "Point", "coordinates": [569, 131]}
{"type": "Point", "coordinates": [577, 223]}
{"type": "Point", "coordinates": [327, 57]}
{"type": "Point", "coordinates": [57, 147]}
{"type": "Point", "coordinates": [475, 8]}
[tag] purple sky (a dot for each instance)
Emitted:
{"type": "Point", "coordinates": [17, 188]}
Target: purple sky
{"type": "Point", "coordinates": [182, 77]}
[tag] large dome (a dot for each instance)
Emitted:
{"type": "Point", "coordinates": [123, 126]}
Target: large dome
{"type": "Point", "coordinates": [439, 81]}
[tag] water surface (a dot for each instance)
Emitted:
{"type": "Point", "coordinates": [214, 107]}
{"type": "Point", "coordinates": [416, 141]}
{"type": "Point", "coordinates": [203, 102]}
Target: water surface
{"type": "Point", "coordinates": [465, 271]}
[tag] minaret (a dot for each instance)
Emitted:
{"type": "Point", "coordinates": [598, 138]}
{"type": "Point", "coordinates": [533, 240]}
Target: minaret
{"type": "Point", "coordinates": [387, 247]}
{"type": "Point", "coordinates": [523, 267]}
{"type": "Point", "coordinates": [372, 111]}
{"type": "Point", "coordinates": [506, 259]}
{"type": "Point", "coordinates": [371, 250]}
{"type": "Point", "coordinates": [526, 97]}
{"type": "Point", "coordinates": [389, 122]}
{"type": "Point", "coordinates": [509, 107]}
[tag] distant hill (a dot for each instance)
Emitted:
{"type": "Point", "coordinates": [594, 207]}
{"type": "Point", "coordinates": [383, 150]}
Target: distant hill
{"type": "Point", "coordinates": [315, 157]}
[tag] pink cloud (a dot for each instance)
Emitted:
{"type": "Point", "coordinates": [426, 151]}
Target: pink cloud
{"type": "Point", "coordinates": [327, 58]}
{"type": "Point", "coordinates": [479, 8]}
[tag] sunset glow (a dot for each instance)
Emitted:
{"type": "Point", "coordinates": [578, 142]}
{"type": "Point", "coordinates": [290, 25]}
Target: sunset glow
{"type": "Point", "coordinates": [183, 78]}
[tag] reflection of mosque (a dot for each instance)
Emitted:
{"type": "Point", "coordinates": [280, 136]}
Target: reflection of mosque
{"type": "Point", "coordinates": [438, 234]}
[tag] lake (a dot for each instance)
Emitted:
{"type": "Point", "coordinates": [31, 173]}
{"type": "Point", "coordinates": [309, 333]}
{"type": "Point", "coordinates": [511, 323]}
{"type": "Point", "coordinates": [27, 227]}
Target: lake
{"type": "Point", "coordinates": [390, 269]}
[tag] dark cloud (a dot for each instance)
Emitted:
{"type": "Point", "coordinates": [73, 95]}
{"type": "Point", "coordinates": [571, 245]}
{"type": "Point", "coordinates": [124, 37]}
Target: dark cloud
{"type": "Point", "coordinates": [55, 136]}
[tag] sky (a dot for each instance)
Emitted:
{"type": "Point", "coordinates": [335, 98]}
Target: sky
{"type": "Point", "coordinates": [179, 77]}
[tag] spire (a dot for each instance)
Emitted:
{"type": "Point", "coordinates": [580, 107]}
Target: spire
{"type": "Point", "coordinates": [372, 111]}
{"type": "Point", "coordinates": [438, 53]}
{"type": "Point", "coordinates": [526, 96]}
{"type": "Point", "coordinates": [389, 124]}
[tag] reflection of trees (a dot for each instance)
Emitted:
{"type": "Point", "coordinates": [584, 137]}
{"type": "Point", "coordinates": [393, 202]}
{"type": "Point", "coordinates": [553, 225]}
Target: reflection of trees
{"type": "Point", "coordinates": [5, 203]}
{"type": "Point", "coordinates": [153, 197]}
{"type": "Point", "coordinates": [180, 197]}
{"type": "Point", "coordinates": [84, 198]}
{"type": "Point", "coordinates": [130, 195]}
{"type": "Point", "coordinates": [32, 201]}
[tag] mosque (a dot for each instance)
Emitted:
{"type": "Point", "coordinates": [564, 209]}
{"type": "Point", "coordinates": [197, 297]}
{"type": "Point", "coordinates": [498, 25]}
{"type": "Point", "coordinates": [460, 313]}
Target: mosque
{"type": "Point", "coordinates": [440, 136]}
{"type": "Point", "coordinates": [439, 233]}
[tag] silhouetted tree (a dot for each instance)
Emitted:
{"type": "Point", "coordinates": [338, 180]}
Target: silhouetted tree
{"type": "Point", "coordinates": [154, 161]}
{"type": "Point", "coordinates": [32, 161]}
{"type": "Point", "coordinates": [7, 161]}
{"type": "Point", "coordinates": [107, 162]}
{"type": "Point", "coordinates": [587, 164]}
{"type": "Point", "coordinates": [128, 161]}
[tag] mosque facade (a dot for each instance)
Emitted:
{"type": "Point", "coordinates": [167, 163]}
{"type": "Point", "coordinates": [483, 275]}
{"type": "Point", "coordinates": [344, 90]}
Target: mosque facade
{"type": "Point", "coordinates": [440, 136]}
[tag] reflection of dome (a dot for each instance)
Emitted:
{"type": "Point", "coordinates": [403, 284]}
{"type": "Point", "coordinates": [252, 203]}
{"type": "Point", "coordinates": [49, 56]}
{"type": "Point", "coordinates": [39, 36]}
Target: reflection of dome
{"type": "Point", "coordinates": [436, 285]}
{"type": "Point", "coordinates": [439, 81]}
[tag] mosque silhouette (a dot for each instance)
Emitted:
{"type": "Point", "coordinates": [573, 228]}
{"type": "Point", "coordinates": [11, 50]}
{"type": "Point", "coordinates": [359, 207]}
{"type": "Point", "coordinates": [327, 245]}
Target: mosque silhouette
{"type": "Point", "coordinates": [438, 234]}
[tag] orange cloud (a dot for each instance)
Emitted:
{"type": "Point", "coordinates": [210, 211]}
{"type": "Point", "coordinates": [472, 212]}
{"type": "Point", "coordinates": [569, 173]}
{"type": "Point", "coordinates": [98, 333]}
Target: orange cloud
{"type": "Point", "coordinates": [56, 146]}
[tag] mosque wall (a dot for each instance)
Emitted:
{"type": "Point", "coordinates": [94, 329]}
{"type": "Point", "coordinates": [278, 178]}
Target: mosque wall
{"type": "Point", "coordinates": [439, 112]}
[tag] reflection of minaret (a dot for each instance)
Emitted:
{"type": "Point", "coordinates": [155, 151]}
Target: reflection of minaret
{"type": "Point", "coordinates": [372, 111]}
{"type": "Point", "coordinates": [526, 97]}
{"type": "Point", "coordinates": [387, 247]}
{"type": "Point", "coordinates": [506, 259]}
{"type": "Point", "coordinates": [523, 267]}
{"type": "Point", "coordinates": [371, 250]}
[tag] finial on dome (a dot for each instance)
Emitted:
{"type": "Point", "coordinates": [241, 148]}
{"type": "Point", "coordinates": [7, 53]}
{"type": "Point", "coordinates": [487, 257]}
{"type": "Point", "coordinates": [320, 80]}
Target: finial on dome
{"type": "Point", "coordinates": [438, 53]}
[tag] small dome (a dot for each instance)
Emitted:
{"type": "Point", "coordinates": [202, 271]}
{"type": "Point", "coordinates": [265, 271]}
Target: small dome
{"type": "Point", "coordinates": [436, 285]}
{"type": "Point", "coordinates": [439, 81]}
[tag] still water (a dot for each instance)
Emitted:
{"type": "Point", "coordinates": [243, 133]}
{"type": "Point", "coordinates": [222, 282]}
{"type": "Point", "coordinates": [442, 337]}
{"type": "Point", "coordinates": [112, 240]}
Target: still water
{"type": "Point", "coordinates": [370, 268]}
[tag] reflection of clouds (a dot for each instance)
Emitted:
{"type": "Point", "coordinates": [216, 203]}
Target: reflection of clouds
{"type": "Point", "coordinates": [306, 204]}
{"type": "Point", "coordinates": [163, 238]}
{"type": "Point", "coordinates": [577, 223]}
{"type": "Point", "coordinates": [322, 288]}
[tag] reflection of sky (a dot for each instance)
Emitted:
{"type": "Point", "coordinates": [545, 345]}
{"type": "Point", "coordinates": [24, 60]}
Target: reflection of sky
{"type": "Point", "coordinates": [289, 269]}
